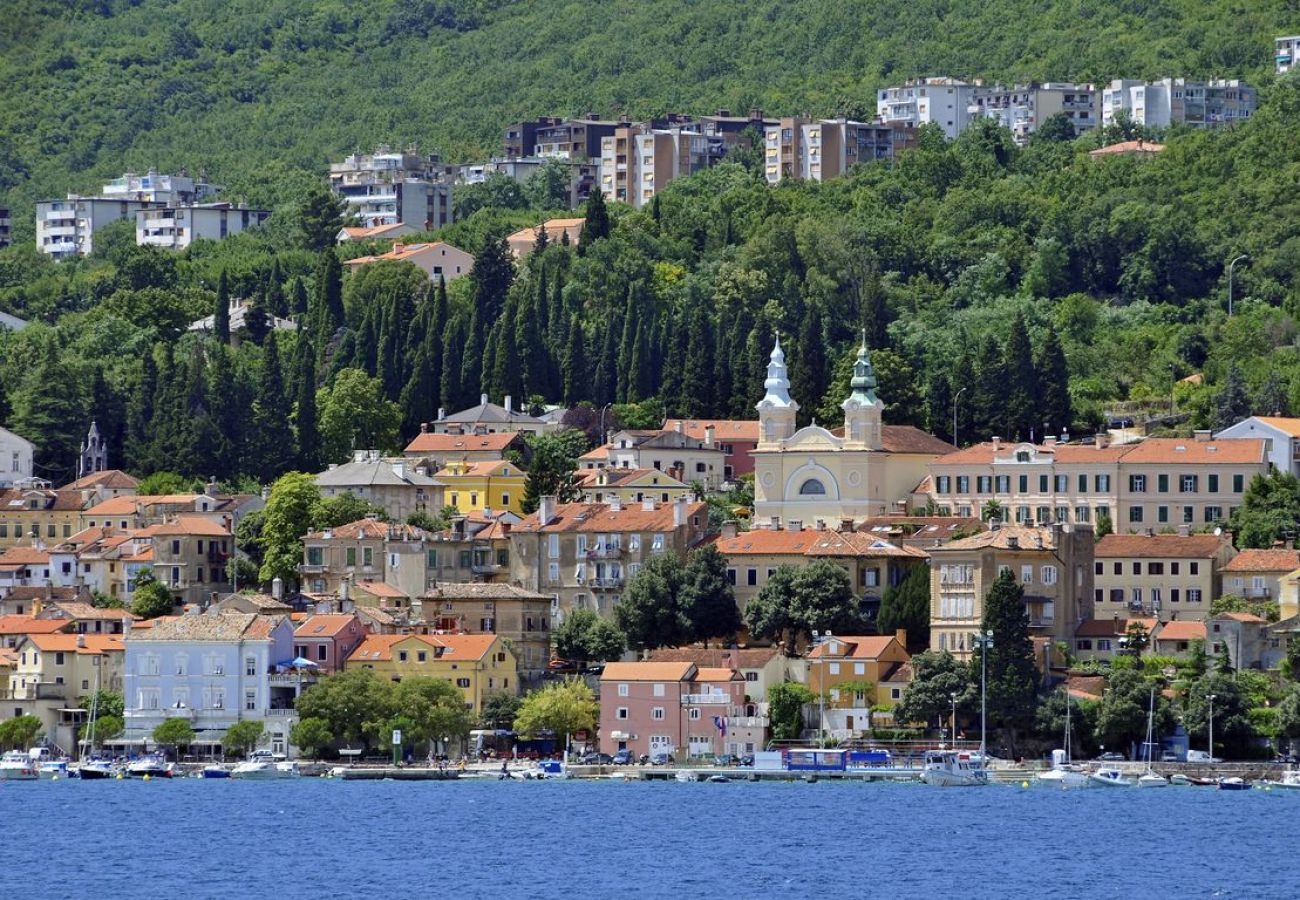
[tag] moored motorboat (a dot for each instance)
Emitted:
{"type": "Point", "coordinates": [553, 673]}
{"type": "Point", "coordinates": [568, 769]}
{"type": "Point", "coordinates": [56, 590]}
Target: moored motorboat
{"type": "Point", "coordinates": [1152, 779]}
{"type": "Point", "coordinates": [1234, 784]}
{"type": "Point", "coordinates": [17, 766]}
{"type": "Point", "coordinates": [1290, 780]}
{"type": "Point", "coordinates": [155, 765]}
{"type": "Point", "coordinates": [215, 770]}
{"type": "Point", "coordinates": [93, 769]}
{"type": "Point", "coordinates": [1104, 777]}
{"type": "Point", "coordinates": [953, 768]}
{"type": "Point", "coordinates": [53, 769]}
{"type": "Point", "coordinates": [1181, 780]}
{"type": "Point", "coordinates": [264, 770]}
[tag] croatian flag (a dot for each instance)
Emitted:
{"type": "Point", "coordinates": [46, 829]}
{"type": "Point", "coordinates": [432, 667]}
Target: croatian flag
{"type": "Point", "coordinates": [720, 723]}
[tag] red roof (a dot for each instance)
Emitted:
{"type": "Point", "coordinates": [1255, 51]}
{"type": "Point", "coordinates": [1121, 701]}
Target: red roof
{"type": "Point", "coordinates": [323, 626]}
{"type": "Point", "coordinates": [724, 430]}
{"type": "Point", "coordinates": [429, 442]}
{"type": "Point", "coordinates": [1162, 546]}
{"type": "Point", "coordinates": [1276, 560]}
{"type": "Point", "coordinates": [1181, 630]}
{"type": "Point", "coordinates": [31, 625]}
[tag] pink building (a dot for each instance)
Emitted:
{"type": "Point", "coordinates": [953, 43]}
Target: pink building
{"type": "Point", "coordinates": [328, 640]}
{"type": "Point", "coordinates": [737, 438]}
{"type": "Point", "coordinates": [670, 707]}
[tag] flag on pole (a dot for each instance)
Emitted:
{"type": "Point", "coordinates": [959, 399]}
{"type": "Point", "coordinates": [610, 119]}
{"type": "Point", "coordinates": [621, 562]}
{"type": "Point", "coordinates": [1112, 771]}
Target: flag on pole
{"type": "Point", "coordinates": [720, 723]}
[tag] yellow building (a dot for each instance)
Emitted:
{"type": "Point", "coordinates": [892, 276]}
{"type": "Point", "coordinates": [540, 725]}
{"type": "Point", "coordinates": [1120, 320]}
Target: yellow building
{"type": "Point", "coordinates": [479, 664]}
{"type": "Point", "coordinates": [478, 486]}
{"type": "Point", "coordinates": [38, 514]}
{"type": "Point", "coordinates": [629, 486]}
{"type": "Point", "coordinates": [65, 666]}
{"type": "Point", "coordinates": [856, 673]}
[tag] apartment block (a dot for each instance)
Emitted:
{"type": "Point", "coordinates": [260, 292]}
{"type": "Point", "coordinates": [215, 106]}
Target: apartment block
{"type": "Point", "coordinates": [1160, 576]}
{"type": "Point", "coordinates": [1179, 101]}
{"type": "Point", "coordinates": [939, 101]}
{"type": "Point", "coordinates": [1023, 107]}
{"type": "Point", "coordinates": [367, 550]}
{"type": "Point", "coordinates": [1053, 565]}
{"type": "Point", "coordinates": [5, 239]}
{"type": "Point", "coordinates": [176, 227]}
{"type": "Point", "coordinates": [154, 187]}
{"type": "Point", "coordinates": [189, 557]}
{"type": "Point", "coordinates": [386, 187]}
{"type": "Point", "coordinates": [583, 555]}
{"type": "Point", "coordinates": [638, 161]}
{"type": "Point", "coordinates": [1281, 437]}
{"type": "Point", "coordinates": [674, 707]}
{"type": "Point", "coordinates": [1286, 55]}
{"type": "Point", "coordinates": [1158, 483]}
{"type": "Point", "coordinates": [1260, 574]}
{"type": "Point", "coordinates": [824, 149]}
{"type": "Point", "coordinates": [521, 618]}
{"type": "Point", "coordinates": [66, 228]}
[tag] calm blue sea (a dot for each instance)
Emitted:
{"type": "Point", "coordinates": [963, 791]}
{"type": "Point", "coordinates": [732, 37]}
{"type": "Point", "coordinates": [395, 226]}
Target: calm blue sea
{"type": "Point", "coordinates": [316, 838]}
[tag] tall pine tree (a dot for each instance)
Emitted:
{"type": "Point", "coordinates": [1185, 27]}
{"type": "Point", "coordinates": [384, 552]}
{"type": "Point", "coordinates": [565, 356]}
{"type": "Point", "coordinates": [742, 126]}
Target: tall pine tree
{"type": "Point", "coordinates": [221, 310]}
{"type": "Point", "coordinates": [306, 424]}
{"type": "Point", "coordinates": [271, 444]}
{"type": "Point", "coordinates": [1020, 389]}
{"type": "Point", "coordinates": [1053, 384]}
{"type": "Point", "coordinates": [809, 370]}
{"type": "Point", "coordinates": [576, 384]}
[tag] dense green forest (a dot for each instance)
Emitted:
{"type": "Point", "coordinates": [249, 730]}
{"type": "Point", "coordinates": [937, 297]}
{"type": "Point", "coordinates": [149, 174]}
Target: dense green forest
{"type": "Point", "coordinates": [260, 94]}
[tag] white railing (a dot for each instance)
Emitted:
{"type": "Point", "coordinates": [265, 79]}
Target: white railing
{"type": "Point", "coordinates": [706, 699]}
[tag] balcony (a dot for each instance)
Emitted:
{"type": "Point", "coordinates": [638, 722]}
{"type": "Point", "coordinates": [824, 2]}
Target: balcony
{"type": "Point", "coordinates": [486, 568]}
{"type": "Point", "coordinates": [706, 699]}
{"type": "Point", "coordinates": [605, 551]}
{"type": "Point", "coordinates": [311, 568]}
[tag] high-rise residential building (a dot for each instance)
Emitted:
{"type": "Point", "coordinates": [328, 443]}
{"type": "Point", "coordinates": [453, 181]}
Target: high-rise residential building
{"type": "Point", "coordinates": [66, 227]}
{"type": "Point", "coordinates": [939, 101]}
{"type": "Point", "coordinates": [176, 227]}
{"type": "Point", "coordinates": [638, 161]}
{"type": "Point", "coordinates": [824, 149]}
{"type": "Point", "coordinates": [1287, 53]}
{"type": "Point", "coordinates": [1179, 101]}
{"type": "Point", "coordinates": [386, 187]}
{"type": "Point", "coordinates": [1022, 108]}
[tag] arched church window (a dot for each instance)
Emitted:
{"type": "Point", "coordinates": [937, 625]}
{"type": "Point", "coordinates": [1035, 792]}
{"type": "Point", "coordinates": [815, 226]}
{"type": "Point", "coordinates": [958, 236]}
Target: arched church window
{"type": "Point", "coordinates": [812, 487]}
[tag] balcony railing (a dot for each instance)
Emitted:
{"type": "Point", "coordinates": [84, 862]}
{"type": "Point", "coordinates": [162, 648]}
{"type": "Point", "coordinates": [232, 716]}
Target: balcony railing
{"type": "Point", "coordinates": [706, 699]}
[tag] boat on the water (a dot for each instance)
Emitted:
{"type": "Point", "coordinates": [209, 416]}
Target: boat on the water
{"type": "Point", "coordinates": [1150, 778]}
{"type": "Point", "coordinates": [92, 769]}
{"type": "Point", "coordinates": [263, 769]}
{"type": "Point", "coordinates": [1290, 780]}
{"type": "Point", "coordinates": [17, 766]}
{"type": "Point", "coordinates": [154, 765]}
{"type": "Point", "coordinates": [1063, 775]}
{"type": "Point", "coordinates": [954, 768]}
{"type": "Point", "coordinates": [55, 768]}
{"type": "Point", "coordinates": [1105, 777]}
{"type": "Point", "coordinates": [1181, 780]}
{"type": "Point", "coordinates": [215, 770]}
{"type": "Point", "coordinates": [1234, 784]}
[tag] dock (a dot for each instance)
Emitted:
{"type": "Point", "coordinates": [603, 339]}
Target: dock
{"type": "Point", "coordinates": [395, 773]}
{"type": "Point", "coordinates": [883, 773]}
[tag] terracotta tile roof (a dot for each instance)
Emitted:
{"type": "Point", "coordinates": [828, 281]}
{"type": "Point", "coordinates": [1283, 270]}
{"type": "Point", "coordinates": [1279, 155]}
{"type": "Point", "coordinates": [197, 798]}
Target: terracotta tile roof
{"type": "Point", "coordinates": [553, 228]}
{"type": "Point", "coordinates": [598, 517]}
{"type": "Point", "coordinates": [724, 430]}
{"type": "Point", "coordinates": [1284, 424]}
{"type": "Point", "coordinates": [381, 589]}
{"type": "Point", "coordinates": [1186, 451]}
{"type": "Point", "coordinates": [620, 477]}
{"type": "Point", "coordinates": [908, 439]}
{"type": "Point", "coordinates": [24, 556]}
{"type": "Point", "coordinates": [27, 594]}
{"type": "Point", "coordinates": [222, 626]}
{"type": "Point", "coordinates": [493, 467]}
{"type": "Point", "coordinates": [113, 479]}
{"type": "Point", "coordinates": [373, 529]}
{"type": "Point", "coordinates": [359, 234]}
{"type": "Point", "coordinates": [647, 671]}
{"type": "Point", "coordinates": [1181, 630]}
{"type": "Point", "coordinates": [379, 647]}
{"type": "Point", "coordinates": [748, 658]}
{"type": "Point", "coordinates": [78, 610]}
{"type": "Point", "coordinates": [429, 442]}
{"type": "Point", "coordinates": [1026, 537]}
{"type": "Point", "coordinates": [1168, 546]}
{"type": "Point", "coordinates": [1093, 628]}
{"type": "Point", "coordinates": [466, 646]}
{"type": "Point", "coordinates": [323, 626]}
{"type": "Point", "coordinates": [811, 542]}
{"type": "Point", "coordinates": [1275, 560]}
{"type": "Point", "coordinates": [192, 525]}
{"type": "Point", "coordinates": [482, 591]}
{"type": "Point", "coordinates": [130, 505]}
{"type": "Point", "coordinates": [855, 647]}
{"type": "Point", "coordinates": [716, 673]}
{"type": "Point", "coordinates": [1124, 147]}
{"type": "Point", "coordinates": [31, 625]}
{"type": "Point", "coordinates": [262, 602]}
{"type": "Point", "coordinates": [62, 500]}
{"type": "Point", "coordinates": [984, 453]}
{"type": "Point", "coordinates": [402, 252]}
{"type": "Point", "coordinates": [86, 644]}
{"type": "Point", "coordinates": [598, 453]}
{"type": "Point", "coordinates": [921, 526]}
{"type": "Point", "coordinates": [1249, 618]}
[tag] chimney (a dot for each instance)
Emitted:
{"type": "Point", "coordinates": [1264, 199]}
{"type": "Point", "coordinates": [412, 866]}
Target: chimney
{"type": "Point", "coordinates": [1184, 530]}
{"type": "Point", "coordinates": [729, 529]}
{"type": "Point", "coordinates": [615, 503]}
{"type": "Point", "coordinates": [1101, 440]}
{"type": "Point", "coordinates": [442, 412]}
{"type": "Point", "coordinates": [648, 504]}
{"type": "Point", "coordinates": [510, 406]}
{"type": "Point", "coordinates": [997, 442]}
{"type": "Point", "coordinates": [266, 493]}
{"type": "Point", "coordinates": [424, 426]}
{"type": "Point", "coordinates": [900, 635]}
{"type": "Point", "coordinates": [345, 591]}
{"type": "Point", "coordinates": [482, 399]}
{"type": "Point", "coordinates": [846, 525]}
{"type": "Point", "coordinates": [358, 456]}
{"type": "Point", "coordinates": [679, 512]}
{"type": "Point", "coordinates": [81, 640]}
{"type": "Point", "coordinates": [708, 436]}
{"type": "Point", "coordinates": [1049, 440]}
{"type": "Point", "coordinates": [399, 469]}
{"type": "Point", "coordinates": [1013, 542]}
{"type": "Point", "coordinates": [677, 426]}
{"type": "Point", "coordinates": [546, 509]}
{"type": "Point", "coordinates": [277, 588]}
{"type": "Point", "coordinates": [397, 246]}
{"type": "Point", "coordinates": [1203, 435]}
{"type": "Point", "coordinates": [795, 525]}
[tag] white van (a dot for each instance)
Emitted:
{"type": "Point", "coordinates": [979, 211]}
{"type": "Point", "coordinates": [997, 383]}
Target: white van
{"type": "Point", "coordinates": [1201, 756]}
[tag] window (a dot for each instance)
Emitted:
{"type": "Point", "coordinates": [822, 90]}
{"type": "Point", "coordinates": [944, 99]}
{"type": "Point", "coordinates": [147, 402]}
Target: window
{"type": "Point", "coordinates": [1137, 568]}
{"type": "Point", "coordinates": [1193, 568]}
{"type": "Point", "coordinates": [1049, 574]}
{"type": "Point", "coordinates": [1042, 484]}
{"type": "Point", "coordinates": [1081, 514]}
{"type": "Point", "coordinates": [657, 713]}
{"type": "Point", "coordinates": [751, 577]}
{"type": "Point", "coordinates": [695, 713]}
{"type": "Point", "coordinates": [622, 712]}
{"type": "Point", "coordinates": [250, 699]}
{"type": "Point", "coordinates": [859, 668]}
{"type": "Point", "coordinates": [1189, 514]}
{"type": "Point", "coordinates": [942, 484]}
{"type": "Point", "coordinates": [1187, 484]}
{"type": "Point", "coordinates": [314, 556]}
{"type": "Point", "coordinates": [1238, 486]}
{"type": "Point", "coordinates": [1103, 644]}
{"type": "Point", "coordinates": [350, 556]}
{"type": "Point", "coordinates": [1022, 484]}
{"type": "Point", "coordinates": [622, 690]}
{"type": "Point", "coordinates": [1213, 513]}
{"type": "Point", "coordinates": [421, 656]}
{"type": "Point", "coordinates": [553, 546]}
{"type": "Point", "coordinates": [462, 682]}
{"type": "Point", "coordinates": [250, 665]}
{"type": "Point", "coordinates": [1026, 574]}
{"type": "Point", "coordinates": [812, 487]}
{"type": "Point", "coordinates": [367, 557]}
{"type": "Point", "coordinates": [657, 544]}
{"type": "Point", "coordinates": [1099, 568]}
{"type": "Point", "coordinates": [1003, 483]}
{"type": "Point", "coordinates": [1193, 595]}
{"type": "Point", "coordinates": [1022, 456]}
{"type": "Point", "coordinates": [659, 690]}
{"type": "Point", "coordinates": [1137, 484]}
{"type": "Point", "coordinates": [321, 653]}
{"type": "Point", "coordinates": [963, 484]}
{"type": "Point", "coordinates": [1162, 514]}
{"type": "Point", "coordinates": [1135, 514]}
{"type": "Point", "coordinates": [1101, 483]}
{"type": "Point", "coordinates": [731, 576]}
{"type": "Point", "coordinates": [1212, 483]}
{"type": "Point", "coordinates": [1155, 568]}
{"type": "Point", "coordinates": [401, 656]}
{"type": "Point", "coordinates": [1083, 644]}
{"type": "Point", "coordinates": [1083, 484]}
{"type": "Point", "coordinates": [835, 668]}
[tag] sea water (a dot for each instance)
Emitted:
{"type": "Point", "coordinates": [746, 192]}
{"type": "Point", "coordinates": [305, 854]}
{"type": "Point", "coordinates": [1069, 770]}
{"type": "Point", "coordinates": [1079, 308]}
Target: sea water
{"type": "Point", "coordinates": [316, 838]}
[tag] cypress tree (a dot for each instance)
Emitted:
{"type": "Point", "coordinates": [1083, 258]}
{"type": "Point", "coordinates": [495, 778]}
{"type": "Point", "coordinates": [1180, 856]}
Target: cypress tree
{"type": "Point", "coordinates": [575, 364]}
{"type": "Point", "coordinates": [1053, 383]}
{"type": "Point", "coordinates": [625, 345]}
{"type": "Point", "coordinates": [471, 370]}
{"type": "Point", "coordinates": [488, 370]}
{"type": "Point", "coordinates": [506, 375]}
{"type": "Point", "coordinates": [139, 437]}
{"type": "Point", "coordinates": [450, 384]}
{"type": "Point", "coordinates": [305, 420]}
{"type": "Point", "coordinates": [299, 292]}
{"type": "Point", "coordinates": [605, 381]}
{"type": "Point", "coordinates": [433, 341]}
{"type": "Point", "coordinates": [670, 386]}
{"type": "Point", "coordinates": [276, 302]}
{"type": "Point", "coordinates": [491, 278]}
{"type": "Point", "coordinates": [1020, 388]}
{"type": "Point", "coordinates": [1012, 675]}
{"type": "Point", "coordinates": [697, 365]}
{"type": "Point", "coordinates": [272, 443]}
{"type": "Point", "coordinates": [201, 438]}
{"type": "Point", "coordinates": [1231, 403]}
{"type": "Point", "coordinates": [48, 411]}
{"type": "Point", "coordinates": [809, 370]}
{"type": "Point", "coordinates": [638, 380]}
{"type": "Point", "coordinates": [757, 352]}
{"type": "Point", "coordinates": [327, 316]}
{"type": "Point", "coordinates": [221, 311]}
{"type": "Point", "coordinates": [108, 409]}
{"type": "Point", "coordinates": [256, 321]}
{"type": "Point", "coordinates": [226, 402]}
{"type": "Point", "coordinates": [722, 369]}
{"type": "Point", "coordinates": [938, 405]}
{"type": "Point", "coordinates": [986, 394]}
{"type": "Point", "coordinates": [597, 224]}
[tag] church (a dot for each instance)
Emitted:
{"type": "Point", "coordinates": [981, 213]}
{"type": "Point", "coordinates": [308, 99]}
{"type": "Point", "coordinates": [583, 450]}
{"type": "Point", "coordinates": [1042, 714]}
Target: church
{"type": "Point", "coordinates": [815, 477]}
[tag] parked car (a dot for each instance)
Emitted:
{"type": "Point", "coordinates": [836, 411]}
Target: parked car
{"type": "Point", "coordinates": [1201, 756]}
{"type": "Point", "coordinates": [724, 759]}
{"type": "Point", "coordinates": [623, 758]}
{"type": "Point", "coordinates": [1111, 756]}
{"type": "Point", "coordinates": [1169, 756]}
{"type": "Point", "coordinates": [661, 758]}
{"type": "Point", "coordinates": [597, 759]}
{"type": "Point", "coordinates": [746, 761]}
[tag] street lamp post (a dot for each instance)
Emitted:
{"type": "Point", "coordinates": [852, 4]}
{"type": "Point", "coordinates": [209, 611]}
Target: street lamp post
{"type": "Point", "coordinates": [955, 398]}
{"type": "Point", "coordinates": [954, 720]}
{"type": "Point", "coordinates": [1232, 265]}
{"type": "Point", "coordinates": [603, 409]}
{"type": "Point", "coordinates": [1210, 697]}
{"type": "Point", "coordinates": [819, 640]}
{"type": "Point", "coordinates": [985, 641]}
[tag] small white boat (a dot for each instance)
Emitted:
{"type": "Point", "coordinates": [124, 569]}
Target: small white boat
{"type": "Point", "coordinates": [1109, 778]}
{"type": "Point", "coordinates": [154, 765]}
{"type": "Point", "coordinates": [954, 768]}
{"type": "Point", "coordinates": [93, 769]}
{"type": "Point", "coordinates": [1152, 779]}
{"type": "Point", "coordinates": [1234, 784]}
{"type": "Point", "coordinates": [17, 766]}
{"type": "Point", "coordinates": [685, 775]}
{"type": "Point", "coordinates": [1063, 778]}
{"type": "Point", "coordinates": [54, 768]}
{"type": "Point", "coordinates": [1290, 780]}
{"type": "Point", "coordinates": [264, 770]}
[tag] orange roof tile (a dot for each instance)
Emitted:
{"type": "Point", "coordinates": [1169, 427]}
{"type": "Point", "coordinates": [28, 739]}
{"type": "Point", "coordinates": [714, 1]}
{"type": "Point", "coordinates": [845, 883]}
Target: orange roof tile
{"type": "Point", "coordinates": [984, 453]}
{"type": "Point", "coordinates": [364, 529]}
{"type": "Point", "coordinates": [462, 443]}
{"type": "Point", "coordinates": [716, 673]}
{"type": "Point", "coordinates": [1249, 618]}
{"type": "Point", "coordinates": [24, 556]}
{"type": "Point", "coordinates": [324, 625]}
{"type": "Point", "coordinates": [600, 517]}
{"type": "Point", "coordinates": [31, 625]}
{"type": "Point", "coordinates": [380, 589]}
{"type": "Point", "coordinates": [1187, 451]}
{"type": "Point", "coordinates": [1170, 546]}
{"type": "Point", "coordinates": [724, 430]}
{"type": "Point", "coordinates": [466, 646]}
{"type": "Point", "coordinates": [1181, 630]}
{"type": "Point", "coordinates": [192, 525]}
{"type": "Point", "coordinates": [379, 647]}
{"type": "Point", "coordinates": [1110, 627]}
{"type": "Point", "coordinates": [1127, 147]}
{"type": "Point", "coordinates": [855, 647]}
{"type": "Point", "coordinates": [1285, 424]}
{"type": "Point", "coordinates": [647, 671]}
{"type": "Point", "coordinates": [1275, 560]}
{"type": "Point", "coordinates": [114, 479]}
{"type": "Point", "coordinates": [89, 644]}
{"type": "Point", "coordinates": [748, 658]}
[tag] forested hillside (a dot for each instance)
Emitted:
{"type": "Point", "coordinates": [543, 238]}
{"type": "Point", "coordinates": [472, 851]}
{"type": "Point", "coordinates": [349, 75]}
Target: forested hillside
{"type": "Point", "coordinates": [260, 92]}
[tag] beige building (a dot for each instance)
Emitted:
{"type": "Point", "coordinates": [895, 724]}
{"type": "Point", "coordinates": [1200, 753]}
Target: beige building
{"type": "Point", "coordinates": [1054, 566]}
{"type": "Point", "coordinates": [681, 456]}
{"type": "Point", "coordinates": [1158, 483]}
{"type": "Point", "coordinates": [1261, 574]}
{"type": "Point", "coordinates": [872, 564]}
{"type": "Point", "coordinates": [524, 241]}
{"type": "Point", "coordinates": [638, 161]}
{"type": "Point", "coordinates": [367, 550]}
{"type": "Point", "coordinates": [584, 554]}
{"type": "Point", "coordinates": [855, 673]}
{"type": "Point", "coordinates": [439, 260]}
{"type": "Point", "coordinates": [140, 511]}
{"type": "Point", "coordinates": [1022, 108]}
{"type": "Point", "coordinates": [818, 150]}
{"type": "Point", "coordinates": [398, 486]}
{"type": "Point", "coordinates": [1100, 639]}
{"type": "Point", "coordinates": [189, 557]}
{"type": "Point", "coordinates": [67, 667]}
{"type": "Point", "coordinates": [812, 475]}
{"type": "Point", "coordinates": [1163, 576]}
{"type": "Point", "coordinates": [521, 617]}
{"type": "Point", "coordinates": [624, 487]}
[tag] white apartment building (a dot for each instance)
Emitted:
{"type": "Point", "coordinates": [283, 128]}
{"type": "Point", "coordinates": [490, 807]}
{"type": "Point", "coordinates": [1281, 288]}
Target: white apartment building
{"type": "Point", "coordinates": [940, 101]}
{"type": "Point", "coordinates": [153, 187]}
{"type": "Point", "coordinates": [1179, 101]}
{"type": "Point", "coordinates": [1281, 437]}
{"type": "Point", "coordinates": [176, 227]}
{"type": "Point", "coordinates": [66, 228]}
{"type": "Point", "coordinates": [1023, 107]}
{"type": "Point", "coordinates": [384, 188]}
{"type": "Point", "coordinates": [1287, 53]}
{"type": "Point", "coordinates": [15, 458]}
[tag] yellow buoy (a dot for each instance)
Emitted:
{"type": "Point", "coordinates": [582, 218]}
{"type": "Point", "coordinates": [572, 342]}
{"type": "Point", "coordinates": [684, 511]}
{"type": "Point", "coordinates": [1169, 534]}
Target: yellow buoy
{"type": "Point", "coordinates": [146, 778]}
{"type": "Point", "coordinates": [54, 778]}
{"type": "Point", "coordinates": [1024, 784]}
{"type": "Point", "coordinates": [119, 776]}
